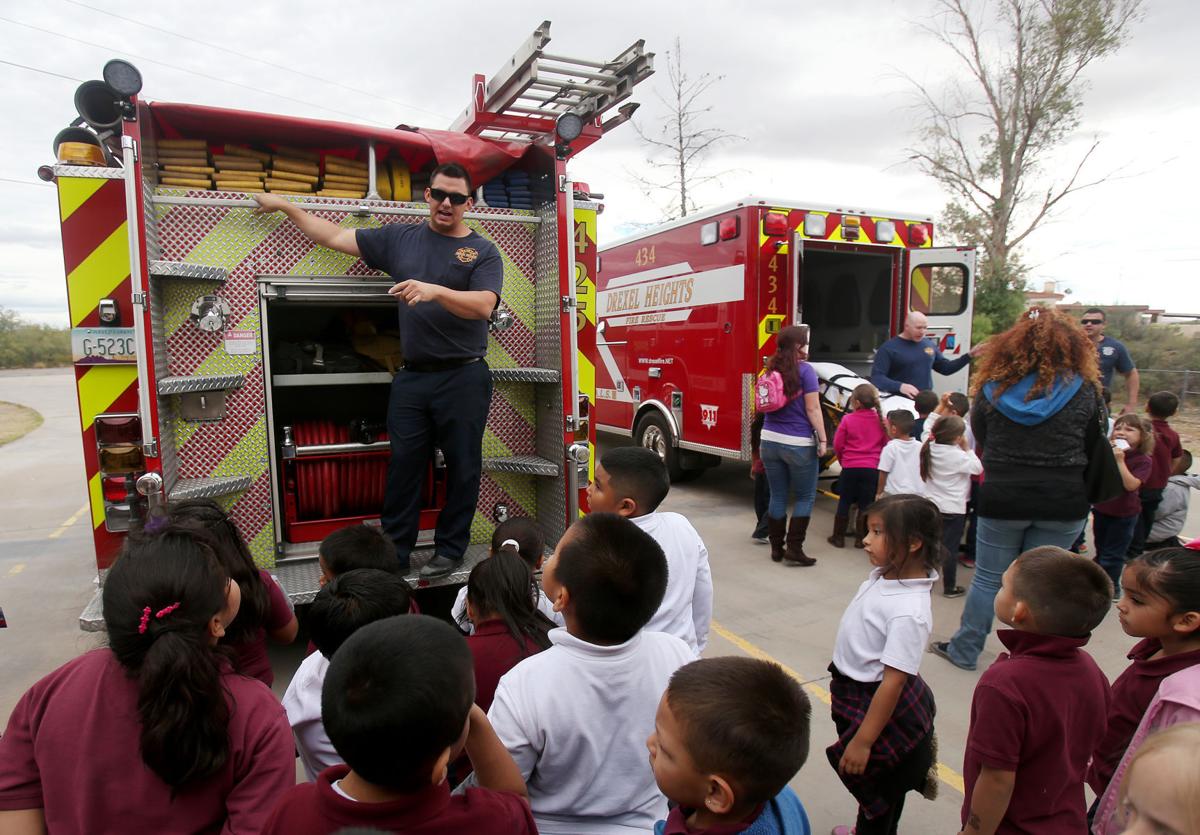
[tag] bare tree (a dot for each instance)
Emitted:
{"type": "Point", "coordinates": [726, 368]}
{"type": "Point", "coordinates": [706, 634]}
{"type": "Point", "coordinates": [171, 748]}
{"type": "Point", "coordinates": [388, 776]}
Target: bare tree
{"type": "Point", "coordinates": [680, 141]}
{"type": "Point", "coordinates": [990, 138]}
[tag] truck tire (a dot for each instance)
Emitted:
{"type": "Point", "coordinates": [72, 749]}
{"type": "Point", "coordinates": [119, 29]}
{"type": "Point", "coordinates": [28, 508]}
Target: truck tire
{"type": "Point", "coordinates": [653, 433]}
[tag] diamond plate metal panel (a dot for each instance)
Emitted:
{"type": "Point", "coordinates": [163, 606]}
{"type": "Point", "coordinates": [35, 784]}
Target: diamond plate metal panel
{"type": "Point", "coordinates": [186, 385]}
{"type": "Point", "coordinates": [91, 619]}
{"type": "Point", "coordinates": [525, 375]}
{"type": "Point", "coordinates": [525, 464]}
{"type": "Point", "coordinates": [179, 269]}
{"type": "Point", "coordinates": [89, 172]}
{"type": "Point", "coordinates": [551, 494]}
{"type": "Point", "coordinates": [207, 488]}
{"type": "Point", "coordinates": [300, 578]}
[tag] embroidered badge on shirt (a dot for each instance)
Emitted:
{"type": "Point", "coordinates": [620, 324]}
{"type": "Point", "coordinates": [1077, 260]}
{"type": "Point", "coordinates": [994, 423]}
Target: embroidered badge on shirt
{"type": "Point", "coordinates": [466, 254]}
{"type": "Point", "coordinates": [928, 350]}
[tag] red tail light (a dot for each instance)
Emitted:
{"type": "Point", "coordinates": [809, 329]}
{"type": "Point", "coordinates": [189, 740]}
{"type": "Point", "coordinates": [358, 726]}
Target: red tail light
{"type": "Point", "coordinates": [730, 227]}
{"type": "Point", "coordinates": [118, 429]}
{"type": "Point", "coordinates": [918, 234]}
{"type": "Point", "coordinates": [775, 223]}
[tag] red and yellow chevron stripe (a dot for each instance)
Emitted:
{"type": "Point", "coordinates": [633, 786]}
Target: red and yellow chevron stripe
{"type": "Point", "coordinates": [96, 262]}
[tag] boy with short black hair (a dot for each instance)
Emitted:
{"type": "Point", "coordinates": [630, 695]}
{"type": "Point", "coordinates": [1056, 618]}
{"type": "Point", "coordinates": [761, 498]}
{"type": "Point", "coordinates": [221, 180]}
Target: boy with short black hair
{"type": "Point", "coordinates": [576, 716]}
{"type": "Point", "coordinates": [344, 605]}
{"type": "Point", "coordinates": [1040, 710]}
{"type": "Point", "coordinates": [1161, 407]}
{"type": "Point", "coordinates": [398, 705]}
{"type": "Point", "coordinates": [632, 482]}
{"type": "Point", "coordinates": [355, 546]}
{"type": "Point", "coordinates": [925, 402]}
{"type": "Point", "coordinates": [900, 461]}
{"type": "Point", "coordinates": [728, 736]}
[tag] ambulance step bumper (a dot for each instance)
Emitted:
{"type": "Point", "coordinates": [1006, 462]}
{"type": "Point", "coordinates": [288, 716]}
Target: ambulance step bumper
{"type": "Point", "coordinates": [522, 464]}
{"type": "Point", "coordinates": [92, 617]}
{"type": "Point", "coordinates": [300, 577]}
{"type": "Point", "coordinates": [188, 385]}
{"type": "Point", "coordinates": [208, 488]}
{"type": "Point", "coordinates": [179, 269]}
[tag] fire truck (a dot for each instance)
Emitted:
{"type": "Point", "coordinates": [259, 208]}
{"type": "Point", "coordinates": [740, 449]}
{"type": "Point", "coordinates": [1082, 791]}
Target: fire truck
{"type": "Point", "coordinates": [687, 313]}
{"type": "Point", "coordinates": [220, 354]}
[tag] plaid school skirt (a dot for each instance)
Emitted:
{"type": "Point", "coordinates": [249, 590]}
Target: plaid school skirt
{"type": "Point", "coordinates": [910, 726]}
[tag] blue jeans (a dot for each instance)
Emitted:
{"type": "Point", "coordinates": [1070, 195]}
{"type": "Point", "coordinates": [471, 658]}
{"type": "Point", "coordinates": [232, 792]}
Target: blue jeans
{"type": "Point", "coordinates": [998, 543]}
{"type": "Point", "coordinates": [791, 470]}
{"type": "Point", "coordinates": [1113, 536]}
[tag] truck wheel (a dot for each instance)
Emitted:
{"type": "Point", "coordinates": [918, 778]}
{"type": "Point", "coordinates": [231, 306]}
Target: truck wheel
{"type": "Point", "coordinates": [653, 433]}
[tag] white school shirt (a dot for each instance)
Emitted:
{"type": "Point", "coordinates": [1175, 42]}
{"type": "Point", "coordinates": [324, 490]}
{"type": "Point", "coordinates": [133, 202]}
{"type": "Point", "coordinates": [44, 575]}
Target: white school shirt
{"type": "Point", "coordinates": [950, 471]}
{"type": "Point", "coordinates": [575, 718]}
{"type": "Point", "coordinates": [302, 701]}
{"type": "Point", "coordinates": [458, 612]}
{"type": "Point", "coordinates": [887, 623]}
{"type": "Point", "coordinates": [686, 608]}
{"type": "Point", "coordinates": [901, 460]}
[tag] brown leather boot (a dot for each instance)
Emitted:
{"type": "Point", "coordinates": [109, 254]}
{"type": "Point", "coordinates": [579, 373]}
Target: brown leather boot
{"type": "Point", "coordinates": [860, 529]}
{"type": "Point", "coordinates": [794, 555]}
{"type": "Point", "coordinates": [776, 528]}
{"type": "Point", "coordinates": [838, 540]}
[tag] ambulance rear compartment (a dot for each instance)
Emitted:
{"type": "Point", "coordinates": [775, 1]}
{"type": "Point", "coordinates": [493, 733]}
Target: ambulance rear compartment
{"type": "Point", "coordinates": [846, 297]}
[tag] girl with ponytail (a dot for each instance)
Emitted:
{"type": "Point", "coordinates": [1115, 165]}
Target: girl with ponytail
{"type": "Point", "coordinates": [155, 732]}
{"type": "Point", "coordinates": [518, 535]}
{"type": "Point", "coordinates": [858, 442]}
{"type": "Point", "coordinates": [947, 464]}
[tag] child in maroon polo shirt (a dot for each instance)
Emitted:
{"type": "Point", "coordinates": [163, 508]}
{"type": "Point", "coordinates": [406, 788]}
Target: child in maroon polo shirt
{"type": "Point", "coordinates": [1160, 603]}
{"type": "Point", "coordinates": [1040, 709]}
{"type": "Point", "coordinates": [398, 705]}
{"type": "Point", "coordinates": [508, 626]}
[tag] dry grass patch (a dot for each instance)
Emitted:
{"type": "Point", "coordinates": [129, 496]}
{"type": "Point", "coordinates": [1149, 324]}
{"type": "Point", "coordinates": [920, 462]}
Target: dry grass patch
{"type": "Point", "coordinates": [16, 421]}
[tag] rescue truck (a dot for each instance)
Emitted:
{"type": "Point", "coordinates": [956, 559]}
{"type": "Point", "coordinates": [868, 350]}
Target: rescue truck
{"type": "Point", "coordinates": [220, 354]}
{"type": "Point", "coordinates": [687, 314]}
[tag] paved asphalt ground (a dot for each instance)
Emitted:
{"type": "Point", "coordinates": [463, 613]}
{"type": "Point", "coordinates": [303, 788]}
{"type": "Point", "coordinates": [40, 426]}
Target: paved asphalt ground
{"type": "Point", "coordinates": [762, 609]}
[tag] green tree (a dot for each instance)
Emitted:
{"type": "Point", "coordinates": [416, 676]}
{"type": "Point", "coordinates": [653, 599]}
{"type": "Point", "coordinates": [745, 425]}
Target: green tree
{"type": "Point", "coordinates": [26, 345]}
{"type": "Point", "coordinates": [989, 137]}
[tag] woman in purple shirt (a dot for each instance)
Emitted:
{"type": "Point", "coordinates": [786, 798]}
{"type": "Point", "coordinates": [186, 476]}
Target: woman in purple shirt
{"type": "Point", "coordinates": [793, 441]}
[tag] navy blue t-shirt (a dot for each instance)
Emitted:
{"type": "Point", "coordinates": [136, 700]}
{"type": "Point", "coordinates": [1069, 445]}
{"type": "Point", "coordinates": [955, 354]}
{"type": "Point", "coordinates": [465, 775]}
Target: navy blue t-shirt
{"type": "Point", "coordinates": [428, 331]}
{"type": "Point", "coordinates": [1112, 353]}
{"type": "Point", "coordinates": [901, 360]}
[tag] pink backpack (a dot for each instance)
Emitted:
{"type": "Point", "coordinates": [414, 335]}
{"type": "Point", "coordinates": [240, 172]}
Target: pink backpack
{"type": "Point", "coordinates": [768, 393]}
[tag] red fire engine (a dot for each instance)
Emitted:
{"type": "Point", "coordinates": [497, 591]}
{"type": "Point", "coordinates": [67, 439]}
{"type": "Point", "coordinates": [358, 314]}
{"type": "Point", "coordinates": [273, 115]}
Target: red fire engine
{"type": "Point", "coordinates": [688, 312]}
{"type": "Point", "coordinates": [220, 354]}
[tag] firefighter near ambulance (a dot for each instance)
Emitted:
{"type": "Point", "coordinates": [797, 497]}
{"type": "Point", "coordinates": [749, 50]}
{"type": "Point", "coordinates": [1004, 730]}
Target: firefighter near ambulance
{"type": "Point", "coordinates": [220, 353]}
{"type": "Point", "coordinates": [688, 312]}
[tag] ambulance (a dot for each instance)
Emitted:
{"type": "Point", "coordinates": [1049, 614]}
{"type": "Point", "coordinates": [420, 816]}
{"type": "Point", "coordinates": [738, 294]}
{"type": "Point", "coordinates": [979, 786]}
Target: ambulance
{"type": "Point", "coordinates": [688, 312]}
{"type": "Point", "coordinates": [220, 354]}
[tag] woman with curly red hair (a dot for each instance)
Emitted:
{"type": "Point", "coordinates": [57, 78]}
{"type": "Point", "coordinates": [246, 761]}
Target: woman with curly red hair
{"type": "Point", "coordinates": [1037, 412]}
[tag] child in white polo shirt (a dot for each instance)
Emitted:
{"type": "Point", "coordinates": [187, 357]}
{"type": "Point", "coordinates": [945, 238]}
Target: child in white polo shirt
{"type": "Point", "coordinates": [900, 461]}
{"type": "Point", "coordinates": [576, 716]}
{"type": "Point", "coordinates": [882, 708]}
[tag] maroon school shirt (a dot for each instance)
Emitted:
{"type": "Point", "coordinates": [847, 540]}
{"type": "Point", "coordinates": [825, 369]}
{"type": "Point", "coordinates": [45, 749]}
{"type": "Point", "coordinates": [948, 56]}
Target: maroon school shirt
{"type": "Point", "coordinates": [252, 659]}
{"type": "Point", "coordinates": [71, 749]}
{"type": "Point", "coordinates": [495, 652]}
{"type": "Point", "coordinates": [1131, 695]}
{"type": "Point", "coordinates": [1128, 503]}
{"type": "Point", "coordinates": [1039, 710]}
{"type": "Point", "coordinates": [1166, 449]}
{"type": "Point", "coordinates": [316, 809]}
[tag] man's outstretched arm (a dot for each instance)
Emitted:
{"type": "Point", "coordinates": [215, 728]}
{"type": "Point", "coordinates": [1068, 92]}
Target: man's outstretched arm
{"type": "Point", "coordinates": [316, 229]}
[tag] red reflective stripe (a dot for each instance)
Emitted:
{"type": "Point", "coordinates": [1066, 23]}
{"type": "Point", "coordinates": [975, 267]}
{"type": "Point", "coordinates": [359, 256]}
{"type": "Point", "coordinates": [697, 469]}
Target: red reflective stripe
{"type": "Point", "coordinates": [92, 223]}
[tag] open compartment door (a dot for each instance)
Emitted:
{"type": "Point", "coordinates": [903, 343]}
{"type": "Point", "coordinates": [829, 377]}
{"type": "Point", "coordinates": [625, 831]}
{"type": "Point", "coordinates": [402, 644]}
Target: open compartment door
{"type": "Point", "coordinates": [940, 283]}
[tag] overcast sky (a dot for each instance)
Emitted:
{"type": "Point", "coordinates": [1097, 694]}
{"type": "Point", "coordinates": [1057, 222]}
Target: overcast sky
{"type": "Point", "coordinates": [818, 92]}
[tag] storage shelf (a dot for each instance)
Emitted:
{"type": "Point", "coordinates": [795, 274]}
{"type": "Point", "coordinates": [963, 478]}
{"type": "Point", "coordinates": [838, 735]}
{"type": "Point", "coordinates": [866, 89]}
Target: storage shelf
{"type": "Point", "coordinates": [353, 378]}
{"type": "Point", "coordinates": [179, 269]}
{"type": "Point", "coordinates": [523, 464]}
{"type": "Point", "coordinates": [208, 488]}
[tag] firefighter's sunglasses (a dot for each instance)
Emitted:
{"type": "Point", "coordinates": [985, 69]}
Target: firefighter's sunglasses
{"type": "Point", "coordinates": [456, 199]}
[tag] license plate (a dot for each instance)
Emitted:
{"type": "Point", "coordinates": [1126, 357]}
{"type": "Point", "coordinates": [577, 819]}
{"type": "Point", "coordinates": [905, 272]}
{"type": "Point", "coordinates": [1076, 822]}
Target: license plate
{"type": "Point", "coordinates": [99, 346]}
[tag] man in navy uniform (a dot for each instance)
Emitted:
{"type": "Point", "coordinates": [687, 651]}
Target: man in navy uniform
{"type": "Point", "coordinates": [906, 362]}
{"type": "Point", "coordinates": [449, 280]}
{"type": "Point", "coordinates": [1112, 354]}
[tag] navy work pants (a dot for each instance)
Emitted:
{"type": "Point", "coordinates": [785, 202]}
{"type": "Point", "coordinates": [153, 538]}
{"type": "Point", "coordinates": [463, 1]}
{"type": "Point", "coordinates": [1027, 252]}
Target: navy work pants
{"type": "Point", "coordinates": [447, 410]}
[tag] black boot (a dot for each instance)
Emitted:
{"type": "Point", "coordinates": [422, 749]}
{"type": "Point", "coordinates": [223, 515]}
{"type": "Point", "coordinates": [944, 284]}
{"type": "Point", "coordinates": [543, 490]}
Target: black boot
{"type": "Point", "coordinates": [794, 555]}
{"type": "Point", "coordinates": [838, 540]}
{"type": "Point", "coordinates": [776, 529]}
{"type": "Point", "coordinates": [860, 529]}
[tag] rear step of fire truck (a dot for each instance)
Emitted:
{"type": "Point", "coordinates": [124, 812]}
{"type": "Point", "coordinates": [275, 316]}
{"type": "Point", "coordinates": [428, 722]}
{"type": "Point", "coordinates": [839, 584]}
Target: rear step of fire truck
{"type": "Point", "coordinates": [270, 442]}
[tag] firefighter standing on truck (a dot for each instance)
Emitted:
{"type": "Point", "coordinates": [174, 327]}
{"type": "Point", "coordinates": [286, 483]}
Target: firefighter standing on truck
{"type": "Point", "coordinates": [449, 285]}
